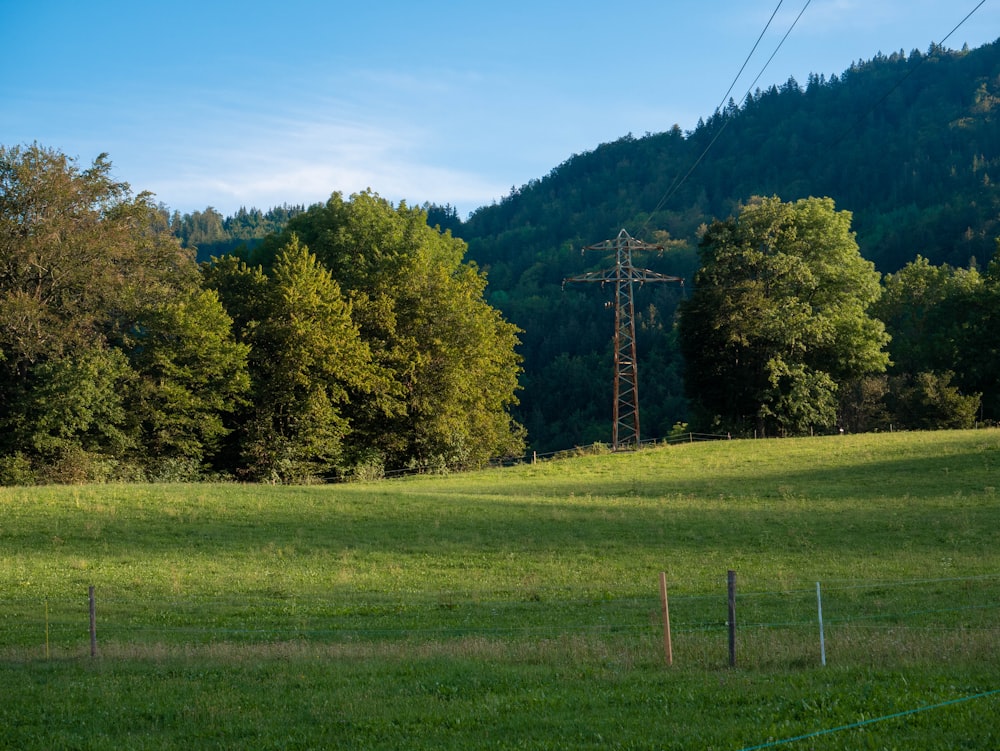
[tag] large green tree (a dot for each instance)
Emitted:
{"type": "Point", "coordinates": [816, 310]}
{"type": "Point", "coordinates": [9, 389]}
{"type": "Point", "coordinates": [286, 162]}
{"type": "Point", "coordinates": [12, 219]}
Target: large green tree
{"type": "Point", "coordinates": [79, 255]}
{"type": "Point", "coordinates": [945, 344]}
{"type": "Point", "coordinates": [779, 319]}
{"type": "Point", "coordinates": [109, 353]}
{"type": "Point", "coordinates": [924, 307]}
{"type": "Point", "coordinates": [307, 361]}
{"type": "Point", "coordinates": [449, 357]}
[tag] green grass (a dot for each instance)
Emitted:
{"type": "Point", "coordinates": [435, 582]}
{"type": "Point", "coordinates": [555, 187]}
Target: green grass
{"type": "Point", "coordinates": [518, 607]}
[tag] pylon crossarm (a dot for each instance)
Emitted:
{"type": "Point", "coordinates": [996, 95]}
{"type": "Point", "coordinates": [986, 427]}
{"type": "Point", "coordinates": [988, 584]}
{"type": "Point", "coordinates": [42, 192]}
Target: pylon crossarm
{"type": "Point", "coordinates": [605, 276]}
{"type": "Point", "coordinates": [645, 275]}
{"type": "Point", "coordinates": [639, 276]}
{"type": "Point", "coordinates": [624, 241]}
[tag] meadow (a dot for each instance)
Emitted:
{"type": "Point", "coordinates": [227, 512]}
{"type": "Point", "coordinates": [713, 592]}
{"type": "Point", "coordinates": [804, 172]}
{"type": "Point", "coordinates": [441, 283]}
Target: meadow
{"type": "Point", "coordinates": [519, 607]}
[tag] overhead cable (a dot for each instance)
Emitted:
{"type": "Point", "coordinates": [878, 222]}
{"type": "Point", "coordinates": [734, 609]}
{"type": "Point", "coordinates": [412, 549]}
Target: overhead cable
{"type": "Point", "coordinates": [679, 182]}
{"type": "Point", "coordinates": [909, 73]}
{"type": "Point", "coordinates": [745, 62]}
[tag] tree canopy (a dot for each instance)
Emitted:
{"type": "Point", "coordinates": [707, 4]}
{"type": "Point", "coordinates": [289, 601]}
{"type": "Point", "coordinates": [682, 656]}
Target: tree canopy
{"type": "Point", "coordinates": [447, 360]}
{"type": "Point", "coordinates": [779, 319]}
{"type": "Point", "coordinates": [906, 141]}
{"type": "Point", "coordinates": [120, 358]}
{"type": "Point", "coordinates": [306, 359]}
{"type": "Point", "coordinates": [111, 355]}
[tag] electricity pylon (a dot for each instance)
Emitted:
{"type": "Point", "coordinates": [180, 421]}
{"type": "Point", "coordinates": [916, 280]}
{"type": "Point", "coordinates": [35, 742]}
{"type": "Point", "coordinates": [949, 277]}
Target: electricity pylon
{"type": "Point", "coordinates": [625, 430]}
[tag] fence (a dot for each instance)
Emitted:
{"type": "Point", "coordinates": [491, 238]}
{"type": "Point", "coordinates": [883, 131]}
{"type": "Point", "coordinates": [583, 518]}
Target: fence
{"type": "Point", "coordinates": [534, 456]}
{"type": "Point", "coordinates": [934, 619]}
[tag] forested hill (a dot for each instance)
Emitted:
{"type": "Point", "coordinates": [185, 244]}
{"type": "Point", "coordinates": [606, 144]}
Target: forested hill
{"type": "Point", "coordinates": [909, 143]}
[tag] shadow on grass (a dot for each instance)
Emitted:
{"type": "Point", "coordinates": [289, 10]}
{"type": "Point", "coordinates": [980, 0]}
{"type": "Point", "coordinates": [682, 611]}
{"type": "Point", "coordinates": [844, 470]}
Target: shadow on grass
{"type": "Point", "coordinates": [858, 506]}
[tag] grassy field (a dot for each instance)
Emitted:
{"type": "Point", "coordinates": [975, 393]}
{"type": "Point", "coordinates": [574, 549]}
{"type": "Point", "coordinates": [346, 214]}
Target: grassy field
{"type": "Point", "coordinates": [519, 607]}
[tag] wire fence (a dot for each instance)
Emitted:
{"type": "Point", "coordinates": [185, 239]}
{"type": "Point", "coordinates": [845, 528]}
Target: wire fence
{"type": "Point", "coordinates": [531, 457]}
{"type": "Point", "coordinates": [920, 619]}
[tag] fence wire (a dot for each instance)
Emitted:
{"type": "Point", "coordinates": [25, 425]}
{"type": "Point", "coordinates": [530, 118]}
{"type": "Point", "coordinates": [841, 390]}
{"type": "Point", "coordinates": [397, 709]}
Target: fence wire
{"type": "Point", "coordinates": [873, 617]}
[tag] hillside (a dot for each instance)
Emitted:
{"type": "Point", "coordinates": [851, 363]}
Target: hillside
{"type": "Point", "coordinates": [907, 143]}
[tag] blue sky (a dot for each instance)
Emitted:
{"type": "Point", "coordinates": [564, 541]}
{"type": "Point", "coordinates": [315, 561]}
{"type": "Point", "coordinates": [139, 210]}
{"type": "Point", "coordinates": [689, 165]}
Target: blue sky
{"type": "Point", "coordinates": [230, 104]}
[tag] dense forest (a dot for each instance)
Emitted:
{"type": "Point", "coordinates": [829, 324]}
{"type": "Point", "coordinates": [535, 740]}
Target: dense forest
{"type": "Point", "coordinates": [355, 339]}
{"type": "Point", "coordinates": [906, 143]}
{"type": "Point", "coordinates": [838, 240]}
{"type": "Point", "coordinates": [212, 235]}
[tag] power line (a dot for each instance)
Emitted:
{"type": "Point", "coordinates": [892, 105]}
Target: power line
{"type": "Point", "coordinates": [960, 23]}
{"type": "Point", "coordinates": [745, 62]}
{"type": "Point", "coordinates": [680, 181]}
{"type": "Point", "coordinates": [780, 44]}
{"type": "Point", "coordinates": [909, 73]}
{"type": "Point", "coordinates": [725, 123]}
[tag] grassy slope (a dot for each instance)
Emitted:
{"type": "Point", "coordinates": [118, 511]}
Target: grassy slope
{"type": "Point", "coordinates": [517, 607]}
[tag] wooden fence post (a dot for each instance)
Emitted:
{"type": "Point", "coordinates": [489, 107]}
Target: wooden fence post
{"type": "Point", "coordinates": [93, 623]}
{"type": "Point", "coordinates": [668, 649]}
{"type": "Point", "coordinates": [731, 577]}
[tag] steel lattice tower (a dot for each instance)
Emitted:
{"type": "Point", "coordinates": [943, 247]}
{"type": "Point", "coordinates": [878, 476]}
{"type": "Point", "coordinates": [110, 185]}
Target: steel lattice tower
{"type": "Point", "coordinates": [625, 429]}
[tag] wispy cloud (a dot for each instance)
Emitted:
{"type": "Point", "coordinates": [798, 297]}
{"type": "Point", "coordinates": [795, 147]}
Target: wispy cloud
{"type": "Point", "coordinates": [285, 160]}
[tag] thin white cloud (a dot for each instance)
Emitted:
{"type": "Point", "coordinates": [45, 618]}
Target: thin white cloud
{"type": "Point", "coordinates": [304, 161]}
{"type": "Point", "coordinates": [834, 16]}
{"type": "Point", "coordinates": [887, 19]}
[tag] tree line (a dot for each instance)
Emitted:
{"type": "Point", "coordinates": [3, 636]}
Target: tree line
{"type": "Point", "coordinates": [790, 330]}
{"type": "Point", "coordinates": [213, 235]}
{"type": "Point", "coordinates": [356, 335]}
{"type": "Point", "coordinates": [907, 143]}
{"type": "Point", "coordinates": [354, 339]}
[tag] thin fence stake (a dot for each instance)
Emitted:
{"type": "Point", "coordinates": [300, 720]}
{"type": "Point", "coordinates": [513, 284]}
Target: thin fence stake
{"type": "Point", "coordinates": [822, 641]}
{"type": "Point", "coordinates": [668, 648]}
{"type": "Point", "coordinates": [731, 578]}
{"type": "Point", "coordinates": [93, 623]}
{"type": "Point", "coordinates": [46, 629]}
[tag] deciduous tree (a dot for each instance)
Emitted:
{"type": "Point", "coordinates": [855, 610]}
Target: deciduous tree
{"type": "Point", "coordinates": [109, 351]}
{"type": "Point", "coordinates": [779, 318]}
{"type": "Point", "coordinates": [307, 359]}
{"type": "Point", "coordinates": [450, 358]}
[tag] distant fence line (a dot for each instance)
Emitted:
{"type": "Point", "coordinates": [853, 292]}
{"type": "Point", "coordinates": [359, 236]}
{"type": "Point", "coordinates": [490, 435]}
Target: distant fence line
{"type": "Point", "coordinates": [959, 607]}
{"type": "Point", "coordinates": [531, 457]}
